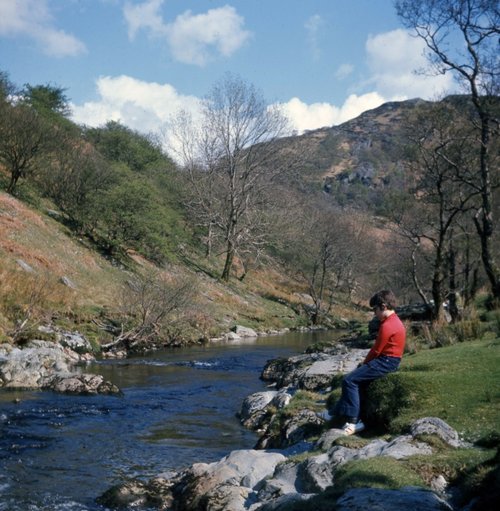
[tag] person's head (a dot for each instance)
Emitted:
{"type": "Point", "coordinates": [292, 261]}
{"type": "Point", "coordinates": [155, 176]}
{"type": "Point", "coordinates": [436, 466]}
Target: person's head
{"type": "Point", "coordinates": [383, 302]}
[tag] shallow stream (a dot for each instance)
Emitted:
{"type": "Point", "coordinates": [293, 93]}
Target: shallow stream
{"type": "Point", "coordinates": [59, 452]}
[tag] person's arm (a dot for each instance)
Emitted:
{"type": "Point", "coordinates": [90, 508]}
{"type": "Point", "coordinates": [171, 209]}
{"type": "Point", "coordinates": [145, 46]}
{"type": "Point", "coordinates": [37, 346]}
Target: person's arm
{"type": "Point", "coordinates": [380, 342]}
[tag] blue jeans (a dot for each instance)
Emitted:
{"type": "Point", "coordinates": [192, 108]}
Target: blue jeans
{"type": "Point", "coordinates": [349, 405]}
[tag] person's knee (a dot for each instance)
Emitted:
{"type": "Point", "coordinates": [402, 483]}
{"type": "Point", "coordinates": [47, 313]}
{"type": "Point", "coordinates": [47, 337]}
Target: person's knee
{"type": "Point", "coordinates": [348, 382]}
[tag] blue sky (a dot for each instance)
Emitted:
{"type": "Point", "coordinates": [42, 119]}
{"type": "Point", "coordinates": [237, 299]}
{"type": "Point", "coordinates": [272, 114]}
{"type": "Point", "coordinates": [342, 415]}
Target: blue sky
{"type": "Point", "coordinates": [139, 61]}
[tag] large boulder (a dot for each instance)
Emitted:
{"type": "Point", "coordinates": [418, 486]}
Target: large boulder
{"type": "Point", "coordinates": [49, 365]}
{"type": "Point", "coordinates": [391, 500]}
{"type": "Point", "coordinates": [36, 365]}
{"type": "Point", "coordinates": [214, 485]}
{"type": "Point", "coordinates": [313, 371]}
{"type": "Point", "coordinates": [399, 448]}
{"type": "Point", "coordinates": [436, 426]}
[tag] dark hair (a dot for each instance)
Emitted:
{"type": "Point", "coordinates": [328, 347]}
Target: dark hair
{"type": "Point", "coordinates": [384, 297]}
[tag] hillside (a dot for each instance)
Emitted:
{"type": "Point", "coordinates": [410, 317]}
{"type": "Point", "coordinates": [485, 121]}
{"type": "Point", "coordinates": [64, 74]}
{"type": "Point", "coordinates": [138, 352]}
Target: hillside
{"type": "Point", "coordinates": [363, 150]}
{"type": "Point", "coordinates": [49, 275]}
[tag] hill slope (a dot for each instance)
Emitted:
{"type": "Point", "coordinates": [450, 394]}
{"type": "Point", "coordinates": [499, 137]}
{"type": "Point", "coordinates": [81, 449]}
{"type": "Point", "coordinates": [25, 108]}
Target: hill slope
{"type": "Point", "coordinates": [49, 275]}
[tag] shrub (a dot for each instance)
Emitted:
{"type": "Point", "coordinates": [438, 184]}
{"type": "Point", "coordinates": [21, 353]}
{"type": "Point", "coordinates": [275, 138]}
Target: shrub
{"type": "Point", "coordinates": [385, 399]}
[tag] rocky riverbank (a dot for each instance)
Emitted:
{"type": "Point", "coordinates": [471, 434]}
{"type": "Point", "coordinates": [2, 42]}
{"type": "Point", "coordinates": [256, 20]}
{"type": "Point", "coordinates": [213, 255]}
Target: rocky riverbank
{"type": "Point", "coordinates": [298, 456]}
{"type": "Point", "coordinates": [52, 365]}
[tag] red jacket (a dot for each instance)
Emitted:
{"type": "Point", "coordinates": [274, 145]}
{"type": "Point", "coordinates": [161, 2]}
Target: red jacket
{"type": "Point", "coordinates": [390, 339]}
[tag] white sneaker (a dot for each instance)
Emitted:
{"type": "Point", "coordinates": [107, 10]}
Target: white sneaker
{"type": "Point", "coordinates": [325, 415]}
{"type": "Point", "coordinates": [351, 428]}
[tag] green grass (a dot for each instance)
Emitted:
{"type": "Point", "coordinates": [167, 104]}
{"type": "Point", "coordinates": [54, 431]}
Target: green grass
{"type": "Point", "coordinates": [458, 384]}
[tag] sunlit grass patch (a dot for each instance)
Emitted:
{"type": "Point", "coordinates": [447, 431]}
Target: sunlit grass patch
{"type": "Point", "coordinates": [458, 384]}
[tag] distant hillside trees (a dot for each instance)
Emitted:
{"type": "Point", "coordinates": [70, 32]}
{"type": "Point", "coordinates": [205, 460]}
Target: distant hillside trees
{"type": "Point", "coordinates": [232, 162]}
{"type": "Point", "coordinates": [32, 123]}
{"type": "Point", "coordinates": [475, 25]}
{"type": "Point", "coordinates": [23, 140]}
{"type": "Point", "coordinates": [435, 216]}
{"type": "Point", "coordinates": [75, 176]}
{"type": "Point", "coordinates": [118, 143]}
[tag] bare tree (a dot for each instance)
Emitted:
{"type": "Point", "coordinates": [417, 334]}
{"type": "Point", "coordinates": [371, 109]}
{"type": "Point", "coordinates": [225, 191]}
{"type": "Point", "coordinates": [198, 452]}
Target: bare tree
{"type": "Point", "coordinates": [475, 26]}
{"type": "Point", "coordinates": [233, 161]}
{"type": "Point", "coordinates": [327, 253]}
{"type": "Point", "coordinates": [149, 303]}
{"type": "Point", "coordinates": [439, 144]}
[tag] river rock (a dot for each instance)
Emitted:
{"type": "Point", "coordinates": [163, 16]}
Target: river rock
{"type": "Point", "coordinates": [327, 439]}
{"type": "Point", "coordinates": [255, 410]}
{"type": "Point", "coordinates": [315, 474]}
{"type": "Point", "coordinates": [293, 430]}
{"type": "Point", "coordinates": [255, 403]}
{"type": "Point", "coordinates": [135, 494]}
{"type": "Point", "coordinates": [436, 426]}
{"type": "Point", "coordinates": [47, 365]}
{"type": "Point", "coordinates": [83, 384]}
{"type": "Point", "coordinates": [391, 500]}
{"type": "Point", "coordinates": [282, 482]}
{"type": "Point", "coordinates": [284, 503]}
{"type": "Point", "coordinates": [243, 331]}
{"type": "Point", "coordinates": [210, 484]}
{"type": "Point", "coordinates": [399, 448]}
{"type": "Point", "coordinates": [312, 371]}
{"type": "Point", "coordinates": [35, 365]}
{"type": "Point", "coordinates": [75, 341]}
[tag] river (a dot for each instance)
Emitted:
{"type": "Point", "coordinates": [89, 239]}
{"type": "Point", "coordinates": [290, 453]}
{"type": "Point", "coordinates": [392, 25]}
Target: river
{"type": "Point", "coordinates": [59, 452]}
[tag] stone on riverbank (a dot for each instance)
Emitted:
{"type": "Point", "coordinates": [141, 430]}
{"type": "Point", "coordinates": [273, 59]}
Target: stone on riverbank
{"type": "Point", "coordinates": [391, 500]}
{"type": "Point", "coordinates": [312, 371]}
{"type": "Point", "coordinates": [88, 384]}
{"type": "Point", "coordinates": [49, 365]}
{"type": "Point", "coordinates": [226, 484]}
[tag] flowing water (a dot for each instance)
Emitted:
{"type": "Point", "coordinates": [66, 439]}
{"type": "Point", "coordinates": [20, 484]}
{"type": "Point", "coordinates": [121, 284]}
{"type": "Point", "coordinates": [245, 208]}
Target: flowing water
{"type": "Point", "coordinates": [59, 452]}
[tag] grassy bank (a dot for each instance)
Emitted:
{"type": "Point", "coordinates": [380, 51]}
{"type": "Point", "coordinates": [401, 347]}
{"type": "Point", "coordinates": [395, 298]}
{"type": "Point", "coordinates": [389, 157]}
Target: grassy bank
{"type": "Point", "coordinates": [457, 383]}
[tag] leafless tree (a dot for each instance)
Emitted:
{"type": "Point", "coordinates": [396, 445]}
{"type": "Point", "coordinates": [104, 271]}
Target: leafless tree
{"type": "Point", "coordinates": [327, 253]}
{"type": "Point", "coordinates": [461, 37]}
{"type": "Point", "coordinates": [148, 305]}
{"type": "Point", "coordinates": [439, 143]}
{"type": "Point", "coordinates": [233, 160]}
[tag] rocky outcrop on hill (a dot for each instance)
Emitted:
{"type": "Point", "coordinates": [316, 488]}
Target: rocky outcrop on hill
{"type": "Point", "coordinates": [52, 366]}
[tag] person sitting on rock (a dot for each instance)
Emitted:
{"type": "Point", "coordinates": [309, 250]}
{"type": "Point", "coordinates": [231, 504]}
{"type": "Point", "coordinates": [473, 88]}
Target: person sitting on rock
{"type": "Point", "coordinates": [383, 358]}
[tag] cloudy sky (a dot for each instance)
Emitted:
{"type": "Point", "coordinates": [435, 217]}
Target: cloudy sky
{"type": "Point", "coordinates": [140, 61]}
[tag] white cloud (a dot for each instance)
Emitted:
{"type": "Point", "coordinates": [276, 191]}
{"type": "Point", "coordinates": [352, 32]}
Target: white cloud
{"type": "Point", "coordinates": [142, 106]}
{"type": "Point", "coordinates": [317, 115]}
{"type": "Point", "coordinates": [146, 16]}
{"type": "Point", "coordinates": [192, 38]}
{"type": "Point", "coordinates": [393, 58]}
{"type": "Point", "coordinates": [344, 71]}
{"type": "Point", "coordinates": [313, 26]}
{"type": "Point", "coordinates": [31, 18]}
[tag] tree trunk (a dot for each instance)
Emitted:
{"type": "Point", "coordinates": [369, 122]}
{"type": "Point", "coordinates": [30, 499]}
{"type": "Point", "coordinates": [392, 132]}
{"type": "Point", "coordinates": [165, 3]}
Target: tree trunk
{"type": "Point", "coordinates": [484, 219]}
{"type": "Point", "coordinates": [229, 261]}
